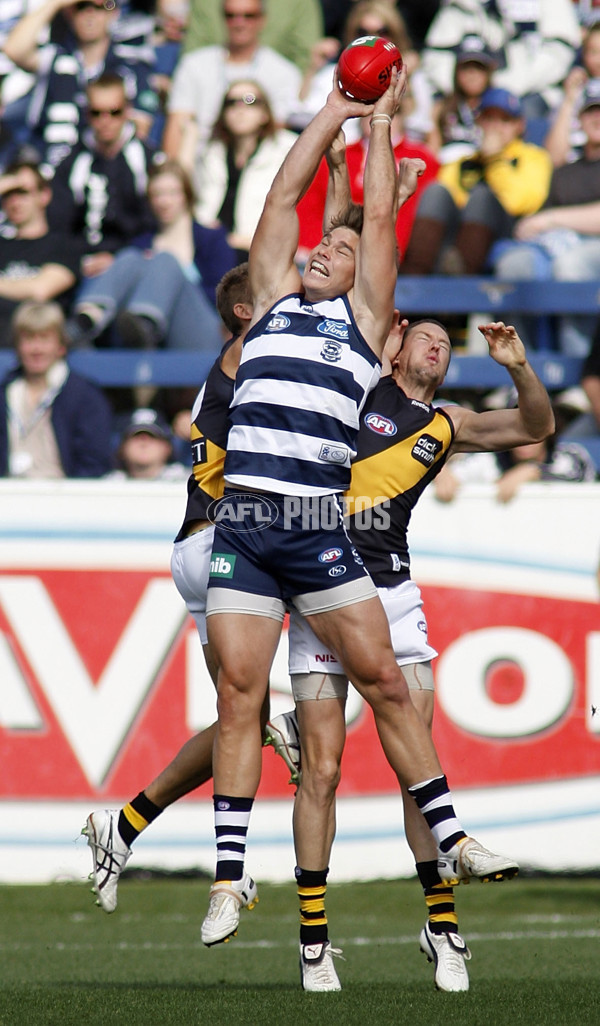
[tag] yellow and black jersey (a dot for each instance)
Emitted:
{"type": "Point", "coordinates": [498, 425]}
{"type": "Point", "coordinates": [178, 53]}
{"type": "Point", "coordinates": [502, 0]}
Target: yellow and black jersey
{"type": "Point", "coordinates": [209, 430]}
{"type": "Point", "coordinates": [402, 444]}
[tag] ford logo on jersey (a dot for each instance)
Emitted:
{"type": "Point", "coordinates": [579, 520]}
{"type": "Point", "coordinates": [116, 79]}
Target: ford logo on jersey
{"type": "Point", "coordinates": [336, 328]}
{"type": "Point", "coordinates": [380, 425]}
{"type": "Point", "coordinates": [330, 555]}
{"type": "Point", "coordinates": [278, 323]}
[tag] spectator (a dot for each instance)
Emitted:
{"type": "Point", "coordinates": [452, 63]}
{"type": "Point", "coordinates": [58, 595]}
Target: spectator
{"type": "Point", "coordinates": [100, 189]}
{"type": "Point", "coordinates": [418, 16]}
{"type": "Point", "coordinates": [145, 451]}
{"type": "Point", "coordinates": [202, 77]}
{"type": "Point", "coordinates": [56, 111]}
{"type": "Point", "coordinates": [161, 289]}
{"type": "Point", "coordinates": [455, 132]}
{"type": "Point", "coordinates": [310, 208]}
{"type": "Point", "coordinates": [172, 17]}
{"type": "Point", "coordinates": [537, 43]}
{"type": "Point", "coordinates": [562, 241]}
{"type": "Point", "coordinates": [476, 200]}
{"type": "Point", "coordinates": [566, 139]}
{"type": "Point", "coordinates": [35, 262]}
{"type": "Point", "coordinates": [290, 28]}
{"type": "Point", "coordinates": [550, 460]}
{"type": "Point", "coordinates": [587, 424]}
{"type": "Point", "coordinates": [239, 164]}
{"type": "Point", "coordinates": [53, 423]}
{"type": "Point", "coordinates": [365, 18]}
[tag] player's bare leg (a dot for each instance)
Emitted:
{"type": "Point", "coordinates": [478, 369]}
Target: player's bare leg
{"type": "Point", "coordinates": [322, 734]}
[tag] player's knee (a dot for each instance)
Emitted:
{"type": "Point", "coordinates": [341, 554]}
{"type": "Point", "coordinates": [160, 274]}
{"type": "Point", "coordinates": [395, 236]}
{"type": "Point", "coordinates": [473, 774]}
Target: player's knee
{"type": "Point", "coordinates": [321, 776]}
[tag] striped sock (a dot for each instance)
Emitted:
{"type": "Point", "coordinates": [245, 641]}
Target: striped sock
{"type": "Point", "coordinates": [439, 898]}
{"type": "Point", "coordinates": [232, 816]}
{"type": "Point", "coordinates": [312, 885]}
{"type": "Point", "coordinates": [136, 816]}
{"type": "Point", "coordinates": [435, 802]}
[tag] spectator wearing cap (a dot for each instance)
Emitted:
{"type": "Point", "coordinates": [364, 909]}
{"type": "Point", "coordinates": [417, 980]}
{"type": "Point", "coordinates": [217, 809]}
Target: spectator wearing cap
{"type": "Point", "coordinates": [53, 423]}
{"type": "Point", "coordinates": [477, 199]}
{"type": "Point", "coordinates": [566, 139]}
{"type": "Point", "coordinates": [146, 449]}
{"type": "Point", "coordinates": [562, 240]}
{"type": "Point", "coordinates": [537, 42]}
{"type": "Point", "coordinates": [455, 132]}
{"type": "Point", "coordinates": [57, 108]}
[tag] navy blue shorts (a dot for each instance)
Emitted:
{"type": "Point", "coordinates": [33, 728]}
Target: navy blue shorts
{"type": "Point", "coordinates": [271, 549]}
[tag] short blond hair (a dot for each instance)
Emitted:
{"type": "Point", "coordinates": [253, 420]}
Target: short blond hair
{"type": "Point", "coordinates": [33, 316]}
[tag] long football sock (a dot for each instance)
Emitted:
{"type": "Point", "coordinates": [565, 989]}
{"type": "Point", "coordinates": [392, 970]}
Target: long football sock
{"type": "Point", "coordinates": [312, 885]}
{"type": "Point", "coordinates": [136, 816]}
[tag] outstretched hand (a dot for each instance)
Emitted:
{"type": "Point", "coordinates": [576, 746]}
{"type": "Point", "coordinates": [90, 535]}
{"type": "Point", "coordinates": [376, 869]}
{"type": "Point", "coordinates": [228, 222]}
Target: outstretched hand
{"type": "Point", "coordinates": [391, 100]}
{"type": "Point", "coordinates": [335, 154]}
{"type": "Point", "coordinates": [410, 170]}
{"type": "Point", "coordinates": [505, 346]}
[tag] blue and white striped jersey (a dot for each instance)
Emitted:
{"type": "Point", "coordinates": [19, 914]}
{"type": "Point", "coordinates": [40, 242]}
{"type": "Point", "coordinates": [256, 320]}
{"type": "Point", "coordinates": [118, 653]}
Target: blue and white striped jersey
{"type": "Point", "coordinates": [304, 376]}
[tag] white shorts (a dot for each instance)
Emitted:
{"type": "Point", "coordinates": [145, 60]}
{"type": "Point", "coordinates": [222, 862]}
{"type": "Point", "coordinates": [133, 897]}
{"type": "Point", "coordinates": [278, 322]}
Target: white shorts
{"type": "Point", "coordinates": [190, 565]}
{"type": "Point", "coordinates": [408, 629]}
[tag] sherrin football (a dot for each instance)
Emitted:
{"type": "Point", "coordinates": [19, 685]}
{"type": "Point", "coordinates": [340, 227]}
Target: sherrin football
{"type": "Point", "coordinates": [365, 67]}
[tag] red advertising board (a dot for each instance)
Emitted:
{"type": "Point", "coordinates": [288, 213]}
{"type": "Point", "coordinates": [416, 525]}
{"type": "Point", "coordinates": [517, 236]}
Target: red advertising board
{"type": "Point", "coordinates": [95, 687]}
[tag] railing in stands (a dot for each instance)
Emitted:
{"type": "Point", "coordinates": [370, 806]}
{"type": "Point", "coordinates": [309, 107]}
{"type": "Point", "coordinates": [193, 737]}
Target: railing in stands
{"type": "Point", "coordinates": [122, 368]}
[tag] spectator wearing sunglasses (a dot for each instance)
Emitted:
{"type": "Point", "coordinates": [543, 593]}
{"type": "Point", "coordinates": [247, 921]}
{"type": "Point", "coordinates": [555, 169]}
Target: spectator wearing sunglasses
{"type": "Point", "coordinates": [239, 164]}
{"type": "Point", "coordinates": [35, 262]}
{"type": "Point", "coordinates": [366, 18]}
{"type": "Point", "coordinates": [57, 108]}
{"type": "Point", "coordinates": [100, 188]}
{"type": "Point", "coordinates": [203, 76]}
{"type": "Point", "coordinates": [292, 28]}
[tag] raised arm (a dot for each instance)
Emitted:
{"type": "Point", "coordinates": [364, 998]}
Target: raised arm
{"type": "Point", "coordinates": [376, 266]}
{"type": "Point", "coordinates": [338, 183]}
{"type": "Point", "coordinates": [22, 44]}
{"type": "Point", "coordinates": [531, 421]}
{"type": "Point", "coordinates": [273, 272]}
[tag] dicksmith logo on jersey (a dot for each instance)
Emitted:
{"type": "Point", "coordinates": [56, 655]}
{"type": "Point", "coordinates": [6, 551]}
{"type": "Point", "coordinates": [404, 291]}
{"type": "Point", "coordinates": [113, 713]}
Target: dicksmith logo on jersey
{"type": "Point", "coordinates": [222, 564]}
{"type": "Point", "coordinates": [380, 425]}
{"type": "Point", "coordinates": [426, 449]}
{"type": "Point", "coordinates": [331, 351]}
{"type": "Point", "coordinates": [330, 555]}
{"type": "Point", "coordinates": [278, 323]}
{"type": "Point", "coordinates": [336, 328]}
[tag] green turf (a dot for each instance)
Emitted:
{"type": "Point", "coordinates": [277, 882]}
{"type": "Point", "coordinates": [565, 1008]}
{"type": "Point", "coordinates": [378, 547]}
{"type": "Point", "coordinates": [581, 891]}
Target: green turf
{"type": "Point", "coordinates": [535, 944]}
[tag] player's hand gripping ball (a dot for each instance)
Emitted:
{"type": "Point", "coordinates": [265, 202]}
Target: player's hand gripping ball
{"type": "Point", "coordinates": [365, 67]}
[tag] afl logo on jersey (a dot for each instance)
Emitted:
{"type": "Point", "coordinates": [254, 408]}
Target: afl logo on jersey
{"type": "Point", "coordinates": [331, 351]}
{"type": "Point", "coordinates": [330, 555]}
{"type": "Point", "coordinates": [278, 323]}
{"type": "Point", "coordinates": [380, 425]}
{"type": "Point", "coordinates": [336, 328]}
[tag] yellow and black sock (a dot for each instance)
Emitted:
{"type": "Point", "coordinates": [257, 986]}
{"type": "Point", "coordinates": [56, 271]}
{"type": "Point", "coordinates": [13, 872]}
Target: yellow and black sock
{"type": "Point", "coordinates": [312, 885]}
{"type": "Point", "coordinates": [136, 816]}
{"type": "Point", "coordinates": [439, 898]}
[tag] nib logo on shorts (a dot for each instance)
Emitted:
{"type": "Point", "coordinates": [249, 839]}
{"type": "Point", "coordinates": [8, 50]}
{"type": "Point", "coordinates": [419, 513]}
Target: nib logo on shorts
{"type": "Point", "coordinates": [222, 564]}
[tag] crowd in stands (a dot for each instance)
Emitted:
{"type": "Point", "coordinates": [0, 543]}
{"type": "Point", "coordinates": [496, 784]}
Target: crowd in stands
{"type": "Point", "coordinates": [139, 138]}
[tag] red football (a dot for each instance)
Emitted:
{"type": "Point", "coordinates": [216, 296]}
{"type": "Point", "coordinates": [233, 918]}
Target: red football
{"type": "Point", "coordinates": [365, 67]}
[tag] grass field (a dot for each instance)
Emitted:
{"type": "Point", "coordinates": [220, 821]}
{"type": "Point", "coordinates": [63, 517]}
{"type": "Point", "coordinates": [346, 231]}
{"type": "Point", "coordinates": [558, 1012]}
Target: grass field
{"type": "Point", "coordinates": [535, 945]}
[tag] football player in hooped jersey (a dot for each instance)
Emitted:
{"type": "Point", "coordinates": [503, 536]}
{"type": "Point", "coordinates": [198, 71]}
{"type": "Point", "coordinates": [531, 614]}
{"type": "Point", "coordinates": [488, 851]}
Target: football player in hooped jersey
{"type": "Point", "coordinates": [403, 443]}
{"type": "Point", "coordinates": [309, 360]}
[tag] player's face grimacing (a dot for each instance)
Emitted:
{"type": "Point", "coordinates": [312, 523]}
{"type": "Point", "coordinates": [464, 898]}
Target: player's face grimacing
{"type": "Point", "coordinates": [330, 267]}
{"type": "Point", "coordinates": [425, 353]}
